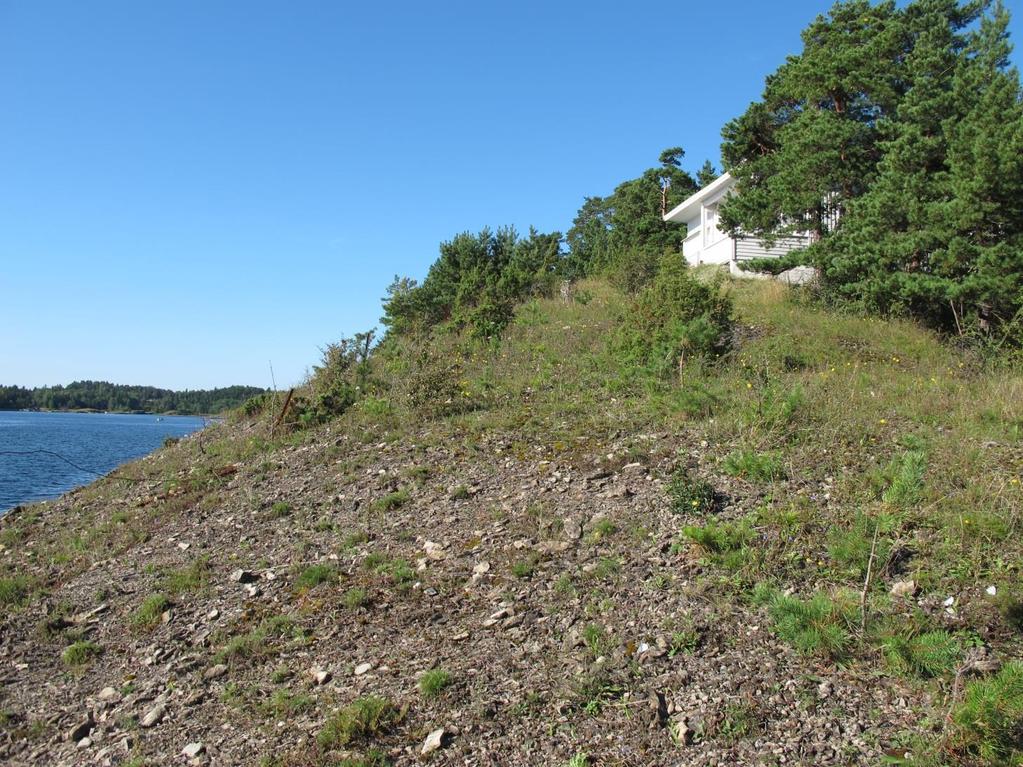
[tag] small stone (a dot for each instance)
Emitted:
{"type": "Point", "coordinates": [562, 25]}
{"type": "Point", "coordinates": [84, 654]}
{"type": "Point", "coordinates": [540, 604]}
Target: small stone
{"type": "Point", "coordinates": [481, 568]}
{"type": "Point", "coordinates": [85, 742]}
{"type": "Point", "coordinates": [991, 591]}
{"type": "Point", "coordinates": [363, 668]}
{"type": "Point", "coordinates": [184, 546]}
{"type": "Point", "coordinates": [681, 732]}
{"type": "Point", "coordinates": [108, 693]}
{"type": "Point", "coordinates": [903, 588]}
{"type": "Point", "coordinates": [193, 750]}
{"type": "Point", "coordinates": [213, 614]}
{"type": "Point", "coordinates": [949, 602]}
{"type": "Point", "coordinates": [252, 590]}
{"type": "Point", "coordinates": [435, 551]}
{"type": "Point", "coordinates": [242, 576]}
{"type": "Point", "coordinates": [214, 672]}
{"type": "Point", "coordinates": [81, 730]}
{"type": "Point", "coordinates": [321, 677]}
{"type": "Point", "coordinates": [573, 529]}
{"type": "Point", "coordinates": [154, 715]}
{"type": "Point", "coordinates": [433, 742]}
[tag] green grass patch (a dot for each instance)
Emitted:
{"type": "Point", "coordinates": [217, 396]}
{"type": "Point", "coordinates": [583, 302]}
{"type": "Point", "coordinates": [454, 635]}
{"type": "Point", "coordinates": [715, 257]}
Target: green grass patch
{"type": "Point", "coordinates": [820, 625]}
{"type": "Point", "coordinates": [81, 653]}
{"type": "Point", "coordinates": [15, 590]}
{"type": "Point", "coordinates": [187, 579]}
{"type": "Point", "coordinates": [434, 682]}
{"type": "Point", "coordinates": [150, 612]}
{"type": "Point", "coordinates": [260, 641]}
{"type": "Point", "coordinates": [362, 719]}
{"type": "Point", "coordinates": [314, 575]}
{"type": "Point", "coordinates": [355, 598]}
{"type": "Point", "coordinates": [754, 466]}
{"type": "Point", "coordinates": [689, 494]}
{"type": "Point", "coordinates": [392, 501]}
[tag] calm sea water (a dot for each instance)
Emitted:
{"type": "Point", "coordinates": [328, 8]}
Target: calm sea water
{"type": "Point", "coordinates": [96, 441]}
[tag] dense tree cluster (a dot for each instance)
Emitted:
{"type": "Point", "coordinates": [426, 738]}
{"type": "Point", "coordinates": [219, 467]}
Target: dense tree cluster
{"type": "Point", "coordinates": [476, 282]}
{"type": "Point", "coordinates": [624, 234]}
{"type": "Point", "coordinates": [101, 395]}
{"type": "Point", "coordinates": [896, 138]}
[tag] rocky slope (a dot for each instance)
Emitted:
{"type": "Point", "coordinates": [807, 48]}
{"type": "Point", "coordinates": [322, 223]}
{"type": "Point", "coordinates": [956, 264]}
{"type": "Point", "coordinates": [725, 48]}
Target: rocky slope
{"type": "Point", "coordinates": [550, 592]}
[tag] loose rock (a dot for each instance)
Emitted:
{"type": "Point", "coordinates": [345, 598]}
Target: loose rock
{"type": "Point", "coordinates": [433, 742]}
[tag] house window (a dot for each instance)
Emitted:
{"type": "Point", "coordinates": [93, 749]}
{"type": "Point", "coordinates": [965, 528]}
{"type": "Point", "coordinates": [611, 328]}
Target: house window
{"type": "Point", "coordinates": [711, 233]}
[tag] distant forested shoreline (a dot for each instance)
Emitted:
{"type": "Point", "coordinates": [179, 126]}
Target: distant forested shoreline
{"type": "Point", "coordinates": [122, 398]}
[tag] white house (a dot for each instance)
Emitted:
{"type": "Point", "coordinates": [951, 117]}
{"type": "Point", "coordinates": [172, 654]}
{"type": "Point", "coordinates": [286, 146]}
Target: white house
{"type": "Point", "coordinates": [706, 244]}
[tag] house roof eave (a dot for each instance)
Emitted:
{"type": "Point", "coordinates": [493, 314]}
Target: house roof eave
{"type": "Point", "coordinates": [683, 211]}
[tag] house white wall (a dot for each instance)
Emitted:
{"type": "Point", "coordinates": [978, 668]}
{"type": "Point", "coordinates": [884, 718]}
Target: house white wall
{"type": "Point", "coordinates": [706, 243]}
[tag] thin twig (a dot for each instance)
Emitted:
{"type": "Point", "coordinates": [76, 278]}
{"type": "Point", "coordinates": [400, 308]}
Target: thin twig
{"type": "Point", "coordinates": [955, 316]}
{"type": "Point", "coordinates": [866, 581]}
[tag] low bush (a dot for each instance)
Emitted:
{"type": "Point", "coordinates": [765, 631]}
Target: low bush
{"type": "Point", "coordinates": [721, 537]}
{"type": "Point", "coordinates": [191, 578]}
{"type": "Point", "coordinates": [674, 319]}
{"type": "Point", "coordinates": [849, 547]}
{"type": "Point", "coordinates": [355, 598]}
{"type": "Point", "coordinates": [907, 473]}
{"type": "Point", "coordinates": [392, 501]}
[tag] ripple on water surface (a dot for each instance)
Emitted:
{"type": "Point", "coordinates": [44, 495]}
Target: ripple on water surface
{"type": "Point", "coordinates": [97, 442]}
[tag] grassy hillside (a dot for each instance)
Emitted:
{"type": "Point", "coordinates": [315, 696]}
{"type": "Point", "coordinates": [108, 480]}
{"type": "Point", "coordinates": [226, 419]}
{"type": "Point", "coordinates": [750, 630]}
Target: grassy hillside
{"type": "Point", "coordinates": [807, 551]}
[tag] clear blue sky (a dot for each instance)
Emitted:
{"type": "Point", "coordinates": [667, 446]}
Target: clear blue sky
{"type": "Point", "coordinates": [192, 189]}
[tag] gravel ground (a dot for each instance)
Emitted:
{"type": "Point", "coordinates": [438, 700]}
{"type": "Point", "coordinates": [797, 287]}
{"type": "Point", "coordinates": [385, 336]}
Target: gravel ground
{"type": "Point", "coordinates": [550, 592]}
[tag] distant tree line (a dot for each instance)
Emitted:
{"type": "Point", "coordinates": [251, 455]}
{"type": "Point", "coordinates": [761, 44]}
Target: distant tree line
{"type": "Point", "coordinates": [102, 395]}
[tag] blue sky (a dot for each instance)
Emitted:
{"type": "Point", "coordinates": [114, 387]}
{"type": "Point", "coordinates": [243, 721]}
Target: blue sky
{"type": "Point", "coordinates": [193, 190]}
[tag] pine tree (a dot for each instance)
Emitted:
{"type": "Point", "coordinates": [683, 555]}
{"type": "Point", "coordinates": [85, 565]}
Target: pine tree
{"type": "Point", "coordinates": [985, 158]}
{"type": "Point", "coordinates": [811, 144]}
{"type": "Point", "coordinates": [706, 174]}
{"type": "Point", "coordinates": [938, 233]}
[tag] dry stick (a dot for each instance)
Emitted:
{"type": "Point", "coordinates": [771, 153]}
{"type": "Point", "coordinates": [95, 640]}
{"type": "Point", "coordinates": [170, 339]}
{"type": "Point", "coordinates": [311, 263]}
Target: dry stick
{"type": "Point", "coordinates": [273, 380]}
{"type": "Point", "coordinates": [955, 316]}
{"type": "Point", "coordinates": [284, 410]}
{"type": "Point", "coordinates": [866, 581]}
